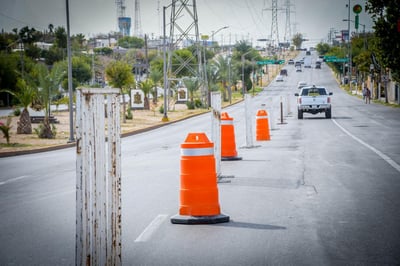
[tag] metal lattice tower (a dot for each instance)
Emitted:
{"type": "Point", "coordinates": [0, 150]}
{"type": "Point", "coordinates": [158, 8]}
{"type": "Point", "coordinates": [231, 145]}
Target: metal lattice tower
{"type": "Point", "coordinates": [184, 32]}
{"type": "Point", "coordinates": [274, 25]}
{"type": "Point", "coordinates": [137, 27]}
{"type": "Point", "coordinates": [288, 32]}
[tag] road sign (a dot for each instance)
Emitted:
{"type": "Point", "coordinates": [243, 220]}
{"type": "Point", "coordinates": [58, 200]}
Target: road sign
{"type": "Point", "coordinates": [271, 62]}
{"type": "Point", "coordinates": [337, 60]}
{"type": "Point", "coordinates": [329, 57]}
{"type": "Point", "coordinates": [266, 62]}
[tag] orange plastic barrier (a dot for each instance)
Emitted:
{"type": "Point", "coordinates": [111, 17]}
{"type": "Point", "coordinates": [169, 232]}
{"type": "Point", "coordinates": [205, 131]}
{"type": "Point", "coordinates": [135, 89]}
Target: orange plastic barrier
{"type": "Point", "coordinates": [199, 192]}
{"type": "Point", "coordinates": [228, 143]}
{"type": "Point", "coordinates": [262, 125]}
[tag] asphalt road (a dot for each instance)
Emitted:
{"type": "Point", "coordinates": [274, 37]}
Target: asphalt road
{"type": "Point", "coordinates": [320, 192]}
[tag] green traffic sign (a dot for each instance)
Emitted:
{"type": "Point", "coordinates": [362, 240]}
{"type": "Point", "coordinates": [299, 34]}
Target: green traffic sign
{"type": "Point", "coordinates": [337, 60]}
{"type": "Point", "coordinates": [266, 62]}
{"type": "Point", "coordinates": [329, 57]}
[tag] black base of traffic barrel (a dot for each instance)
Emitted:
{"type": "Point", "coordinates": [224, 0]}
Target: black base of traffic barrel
{"type": "Point", "coordinates": [231, 158]}
{"type": "Point", "coordinates": [185, 219]}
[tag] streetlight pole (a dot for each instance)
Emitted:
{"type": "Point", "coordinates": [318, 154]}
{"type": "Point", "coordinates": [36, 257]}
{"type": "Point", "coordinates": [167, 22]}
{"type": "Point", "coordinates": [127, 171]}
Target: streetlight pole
{"type": "Point", "coordinates": [165, 117]}
{"type": "Point", "coordinates": [70, 92]}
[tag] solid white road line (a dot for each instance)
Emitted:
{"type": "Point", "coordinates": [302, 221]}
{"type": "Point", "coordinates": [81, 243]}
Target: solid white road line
{"type": "Point", "coordinates": [379, 153]}
{"type": "Point", "coordinates": [151, 228]}
{"type": "Point", "coordinates": [13, 179]}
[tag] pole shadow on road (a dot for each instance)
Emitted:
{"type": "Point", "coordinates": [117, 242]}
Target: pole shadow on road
{"type": "Point", "coordinates": [250, 225]}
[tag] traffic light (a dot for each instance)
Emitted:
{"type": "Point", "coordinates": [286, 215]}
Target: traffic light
{"type": "Point", "coordinates": [356, 22]}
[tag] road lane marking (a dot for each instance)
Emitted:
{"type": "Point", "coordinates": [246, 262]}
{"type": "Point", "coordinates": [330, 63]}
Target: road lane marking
{"type": "Point", "coordinates": [379, 153]}
{"type": "Point", "coordinates": [151, 228]}
{"type": "Point", "coordinates": [13, 179]}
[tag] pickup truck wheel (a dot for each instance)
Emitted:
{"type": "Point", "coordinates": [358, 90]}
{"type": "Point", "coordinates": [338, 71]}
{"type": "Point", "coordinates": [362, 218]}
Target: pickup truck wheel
{"type": "Point", "coordinates": [328, 113]}
{"type": "Point", "coordinates": [299, 114]}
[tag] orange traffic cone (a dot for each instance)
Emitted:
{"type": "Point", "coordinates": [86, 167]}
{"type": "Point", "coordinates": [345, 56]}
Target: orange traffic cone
{"type": "Point", "coordinates": [228, 143]}
{"type": "Point", "coordinates": [199, 191]}
{"type": "Point", "coordinates": [262, 125]}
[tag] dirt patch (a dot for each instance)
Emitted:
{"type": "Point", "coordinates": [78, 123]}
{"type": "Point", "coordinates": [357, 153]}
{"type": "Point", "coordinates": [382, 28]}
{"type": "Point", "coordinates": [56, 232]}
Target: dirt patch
{"type": "Point", "coordinates": [141, 119]}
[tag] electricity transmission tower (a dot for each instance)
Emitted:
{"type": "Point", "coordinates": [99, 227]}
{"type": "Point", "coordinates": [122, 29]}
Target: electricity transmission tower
{"type": "Point", "coordinates": [274, 24]}
{"type": "Point", "coordinates": [288, 32]}
{"type": "Point", "coordinates": [137, 27]}
{"type": "Point", "coordinates": [184, 32]}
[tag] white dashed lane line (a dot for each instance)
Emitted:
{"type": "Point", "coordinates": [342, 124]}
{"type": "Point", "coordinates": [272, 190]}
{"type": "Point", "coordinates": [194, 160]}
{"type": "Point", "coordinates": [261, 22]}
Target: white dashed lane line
{"type": "Point", "coordinates": [151, 228]}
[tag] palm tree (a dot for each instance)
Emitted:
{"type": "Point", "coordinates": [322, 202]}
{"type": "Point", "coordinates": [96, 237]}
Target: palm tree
{"type": "Point", "coordinates": [156, 76]}
{"type": "Point", "coordinates": [120, 76]}
{"type": "Point", "coordinates": [25, 95]}
{"type": "Point", "coordinates": [192, 84]}
{"type": "Point", "coordinates": [45, 83]}
{"type": "Point", "coordinates": [221, 65]}
{"type": "Point", "coordinates": [146, 87]}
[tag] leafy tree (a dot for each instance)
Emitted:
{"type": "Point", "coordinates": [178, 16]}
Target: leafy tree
{"type": "Point", "coordinates": [131, 42]}
{"type": "Point", "coordinates": [61, 37]}
{"type": "Point", "coordinates": [103, 51]}
{"type": "Point", "coordinates": [386, 15]}
{"type": "Point", "coordinates": [81, 72]}
{"type": "Point", "coordinates": [8, 74]}
{"type": "Point", "coordinates": [297, 40]}
{"type": "Point", "coordinates": [120, 76]}
{"type": "Point", "coordinates": [322, 48]}
{"type": "Point", "coordinates": [182, 58]}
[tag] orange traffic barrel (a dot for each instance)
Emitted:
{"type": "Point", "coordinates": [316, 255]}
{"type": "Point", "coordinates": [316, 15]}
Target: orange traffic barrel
{"type": "Point", "coordinates": [228, 143]}
{"type": "Point", "coordinates": [262, 125]}
{"type": "Point", "coordinates": [199, 192]}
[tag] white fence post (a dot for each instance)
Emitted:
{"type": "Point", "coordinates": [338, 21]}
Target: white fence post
{"type": "Point", "coordinates": [249, 121]}
{"type": "Point", "coordinates": [216, 128]}
{"type": "Point", "coordinates": [98, 179]}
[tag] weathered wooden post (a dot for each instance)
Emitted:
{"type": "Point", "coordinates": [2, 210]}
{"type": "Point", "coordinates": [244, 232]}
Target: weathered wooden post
{"type": "Point", "coordinates": [216, 128]}
{"type": "Point", "coordinates": [98, 177]}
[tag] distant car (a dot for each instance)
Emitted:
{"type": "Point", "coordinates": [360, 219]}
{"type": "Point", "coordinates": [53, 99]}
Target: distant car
{"type": "Point", "coordinates": [283, 72]}
{"type": "Point", "coordinates": [279, 78]}
{"type": "Point", "coordinates": [301, 84]}
{"type": "Point", "coordinates": [298, 68]}
{"type": "Point", "coordinates": [318, 65]}
{"type": "Point", "coordinates": [291, 62]}
{"type": "Point", "coordinates": [297, 63]}
{"type": "Point", "coordinates": [308, 53]}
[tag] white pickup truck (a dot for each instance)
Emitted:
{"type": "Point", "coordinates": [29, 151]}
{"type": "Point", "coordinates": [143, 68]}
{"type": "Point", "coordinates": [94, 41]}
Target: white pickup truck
{"type": "Point", "coordinates": [314, 100]}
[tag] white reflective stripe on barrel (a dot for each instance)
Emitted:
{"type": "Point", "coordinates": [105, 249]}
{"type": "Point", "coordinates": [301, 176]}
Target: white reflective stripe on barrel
{"type": "Point", "coordinates": [262, 117]}
{"type": "Point", "coordinates": [226, 122]}
{"type": "Point", "coordinates": [197, 151]}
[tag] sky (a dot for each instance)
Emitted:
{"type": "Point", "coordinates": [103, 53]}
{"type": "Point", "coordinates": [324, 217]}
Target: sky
{"type": "Point", "coordinates": [245, 19]}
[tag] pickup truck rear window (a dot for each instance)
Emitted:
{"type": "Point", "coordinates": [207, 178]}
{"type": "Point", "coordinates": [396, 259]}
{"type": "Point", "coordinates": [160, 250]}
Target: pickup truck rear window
{"type": "Point", "coordinates": [313, 92]}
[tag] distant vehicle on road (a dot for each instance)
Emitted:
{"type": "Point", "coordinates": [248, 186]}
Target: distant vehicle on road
{"type": "Point", "coordinates": [291, 62]}
{"type": "Point", "coordinates": [318, 65]}
{"type": "Point", "coordinates": [279, 78]}
{"type": "Point", "coordinates": [313, 100]}
{"type": "Point", "coordinates": [301, 84]}
{"type": "Point", "coordinates": [298, 68]}
{"type": "Point", "coordinates": [283, 72]}
{"type": "Point", "coordinates": [307, 62]}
